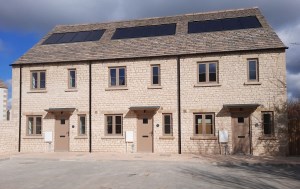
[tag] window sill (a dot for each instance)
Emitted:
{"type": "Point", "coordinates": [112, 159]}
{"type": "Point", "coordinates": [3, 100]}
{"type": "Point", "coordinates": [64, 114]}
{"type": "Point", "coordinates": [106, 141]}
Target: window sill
{"type": "Point", "coordinates": [81, 137]}
{"type": "Point", "coordinates": [204, 138]}
{"type": "Point", "coordinates": [267, 138]}
{"type": "Point", "coordinates": [33, 137]}
{"type": "Point", "coordinates": [71, 90]}
{"type": "Point", "coordinates": [155, 87]}
{"type": "Point", "coordinates": [37, 91]}
{"type": "Point", "coordinates": [167, 137]}
{"type": "Point", "coordinates": [252, 83]}
{"type": "Point", "coordinates": [207, 85]}
{"type": "Point", "coordinates": [113, 137]}
{"type": "Point", "coordinates": [116, 88]}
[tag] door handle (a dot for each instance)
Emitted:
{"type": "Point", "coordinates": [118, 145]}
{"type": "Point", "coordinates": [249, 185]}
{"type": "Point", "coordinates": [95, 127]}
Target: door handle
{"type": "Point", "coordinates": [68, 133]}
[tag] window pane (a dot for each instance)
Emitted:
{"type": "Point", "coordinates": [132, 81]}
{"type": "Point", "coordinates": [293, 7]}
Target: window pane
{"type": "Point", "coordinates": [72, 78]}
{"type": "Point", "coordinates": [202, 72]}
{"type": "Point", "coordinates": [38, 125]}
{"type": "Point", "coordinates": [213, 72]}
{"type": "Point", "coordinates": [109, 124]}
{"type": "Point", "coordinates": [167, 124]}
{"type": "Point", "coordinates": [198, 124]}
{"type": "Point", "coordinates": [122, 76]}
{"type": "Point", "coordinates": [119, 120]}
{"type": "Point", "coordinates": [155, 70]}
{"type": "Point", "coordinates": [252, 70]}
{"type": "Point", "coordinates": [118, 124]}
{"type": "Point", "coordinates": [62, 121]}
{"type": "Point", "coordinates": [267, 122]}
{"type": "Point", "coordinates": [252, 75]}
{"type": "Point", "coordinates": [118, 129]}
{"type": "Point", "coordinates": [121, 80]}
{"type": "Point", "coordinates": [82, 125]}
{"type": "Point", "coordinates": [209, 124]}
{"type": "Point", "coordinates": [145, 120]}
{"type": "Point", "coordinates": [42, 80]}
{"type": "Point", "coordinates": [113, 77]}
{"type": "Point", "coordinates": [167, 119]}
{"type": "Point", "coordinates": [34, 80]}
{"type": "Point", "coordinates": [240, 119]}
{"type": "Point", "coordinates": [30, 125]}
{"type": "Point", "coordinates": [155, 75]}
{"type": "Point", "coordinates": [167, 129]}
{"type": "Point", "coordinates": [155, 80]}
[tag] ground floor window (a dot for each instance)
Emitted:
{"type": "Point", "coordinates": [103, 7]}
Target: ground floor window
{"type": "Point", "coordinates": [204, 123]}
{"type": "Point", "coordinates": [167, 125]}
{"type": "Point", "coordinates": [82, 125]}
{"type": "Point", "coordinates": [113, 124]}
{"type": "Point", "coordinates": [34, 125]}
{"type": "Point", "coordinates": [268, 122]}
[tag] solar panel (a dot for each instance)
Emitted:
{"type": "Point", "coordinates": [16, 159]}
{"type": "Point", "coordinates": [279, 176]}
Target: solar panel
{"type": "Point", "coordinates": [72, 37]}
{"type": "Point", "coordinates": [81, 36]}
{"type": "Point", "coordinates": [231, 24]}
{"type": "Point", "coordinates": [250, 22]}
{"type": "Point", "coordinates": [145, 31]}
{"type": "Point", "coordinates": [223, 24]}
{"type": "Point", "coordinates": [53, 38]}
{"type": "Point", "coordinates": [67, 38]}
{"type": "Point", "coordinates": [95, 35]}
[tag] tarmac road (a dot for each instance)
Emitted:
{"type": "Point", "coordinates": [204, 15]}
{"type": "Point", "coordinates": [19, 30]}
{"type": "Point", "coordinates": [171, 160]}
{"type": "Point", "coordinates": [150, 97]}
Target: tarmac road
{"type": "Point", "coordinates": [47, 173]}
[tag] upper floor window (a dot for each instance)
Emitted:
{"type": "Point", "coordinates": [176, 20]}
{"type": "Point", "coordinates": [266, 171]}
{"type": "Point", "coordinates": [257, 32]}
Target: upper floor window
{"type": "Point", "coordinates": [155, 74]}
{"type": "Point", "coordinates": [117, 76]}
{"type": "Point", "coordinates": [207, 72]}
{"type": "Point", "coordinates": [204, 124]}
{"type": "Point", "coordinates": [252, 69]}
{"type": "Point", "coordinates": [34, 125]}
{"type": "Point", "coordinates": [72, 78]}
{"type": "Point", "coordinates": [113, 125]}
{"type": "Point", "coordinates": [268, 122]}
{"type": "Point", "coordinates": [82, 125]}
{"type": "Point", "coordinates": [167, 124]}
{"type": "Point", "coordinates": [38, 79]}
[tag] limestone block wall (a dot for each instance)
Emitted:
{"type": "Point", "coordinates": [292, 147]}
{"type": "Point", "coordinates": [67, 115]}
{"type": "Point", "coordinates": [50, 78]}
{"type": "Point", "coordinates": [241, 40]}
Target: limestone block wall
{"type": "Point", "coordinates": [137, 93]}
{"type": "Point", "coordinates": [233, 88]}
{"type": "Point", "coordinates": [8, 137]}
{"type": "Point", "coordinates": [3, 103]}
{"type": "Point", "coordinates": [56, 95]}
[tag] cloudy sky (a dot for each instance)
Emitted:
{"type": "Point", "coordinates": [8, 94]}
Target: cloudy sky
{"type": "Point", "coordinates": [24, 22]}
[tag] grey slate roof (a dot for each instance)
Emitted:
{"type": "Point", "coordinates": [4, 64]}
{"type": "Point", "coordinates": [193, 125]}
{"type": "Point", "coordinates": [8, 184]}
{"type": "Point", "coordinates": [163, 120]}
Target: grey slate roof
{"type": "Point", "coordinates": [181, 43]}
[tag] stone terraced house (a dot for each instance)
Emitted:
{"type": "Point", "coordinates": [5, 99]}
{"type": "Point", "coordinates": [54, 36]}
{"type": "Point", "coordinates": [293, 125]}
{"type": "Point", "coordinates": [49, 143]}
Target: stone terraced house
{"type": "Point", "coordinates": [3, 100]}
{"type": "Point", "coordinates": [163, 85]}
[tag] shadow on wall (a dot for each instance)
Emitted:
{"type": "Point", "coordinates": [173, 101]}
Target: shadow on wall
{"type": "Point", "coordinates": [277, 144]}
{"type": "Point", "coordinates": [238, 176]}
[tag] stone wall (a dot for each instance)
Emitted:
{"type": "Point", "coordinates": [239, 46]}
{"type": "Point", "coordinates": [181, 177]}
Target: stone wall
{"type": "Point", "coordinates": [3, 103]}
{"type": "Point", "coordinates": [232, 88]}
{"type": "Point", "coordinates": [8, 137]}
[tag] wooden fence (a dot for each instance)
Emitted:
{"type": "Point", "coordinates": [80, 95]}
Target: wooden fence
{"type": "Point", "coordinates": [294, 137]}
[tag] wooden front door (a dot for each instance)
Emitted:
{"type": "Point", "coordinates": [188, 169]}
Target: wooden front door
{"type": "Point", "coordinates": [145, 133]}
{"type": "Point", "coordinates": [61, 142]}
{"type": "Point", "coordinates": [240, 133]}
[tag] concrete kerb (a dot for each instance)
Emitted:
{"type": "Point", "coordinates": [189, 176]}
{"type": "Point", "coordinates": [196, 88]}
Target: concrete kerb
{"type": "Point", "coordinates": [217, 160]}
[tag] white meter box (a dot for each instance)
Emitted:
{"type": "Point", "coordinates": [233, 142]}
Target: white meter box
{"type": "Point", "coordinates": [129, 136]}
{"type": "Point", "coordinates": [48, 136]}
{"type": "Point", "coordinates": [223, 136]}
